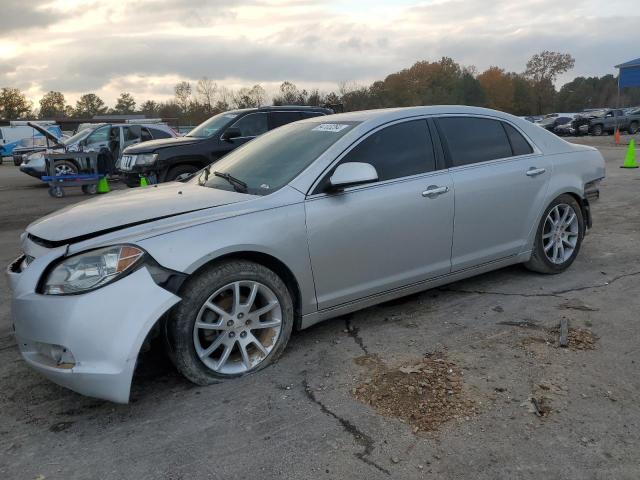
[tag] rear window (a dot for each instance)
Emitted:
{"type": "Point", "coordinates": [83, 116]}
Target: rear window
{"type": "Point", "coordinates": [518, 143]}
{"type": "Point", "coordinates": [473, 140]}
{"type": "Point", "coordinates": [277, 119]}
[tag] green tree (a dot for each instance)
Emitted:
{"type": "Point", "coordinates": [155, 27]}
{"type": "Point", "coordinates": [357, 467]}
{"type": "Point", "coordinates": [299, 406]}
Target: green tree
{"type": "Point", "coordinates": [543, 69]}
{"type": "Point", "coordinates": [52, 105]}
{"type": "Point", "coordinates": [150, 108]}
{"type": "Point", "coordinates": [14, 104]}
{"type": "Point", "coordinates": [90, 105]}
{"type": "Point", "coordinates": [125, 104]}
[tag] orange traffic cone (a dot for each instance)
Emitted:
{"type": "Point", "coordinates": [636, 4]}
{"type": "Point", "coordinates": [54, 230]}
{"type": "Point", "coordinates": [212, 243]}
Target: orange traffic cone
{"type": "Point", "coordinates": [617, 136]}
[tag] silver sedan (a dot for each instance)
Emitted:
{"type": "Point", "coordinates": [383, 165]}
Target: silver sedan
{"type": "Point", "coordinates": [310, 221]}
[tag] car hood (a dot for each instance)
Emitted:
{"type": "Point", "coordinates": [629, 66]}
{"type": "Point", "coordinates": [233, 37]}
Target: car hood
{"type": "Point", "coordinates": [45, 132]}
{"type": "Point", "coordinates": [151, 145]}
{"type": "Point", "coordinates": [126, 208]}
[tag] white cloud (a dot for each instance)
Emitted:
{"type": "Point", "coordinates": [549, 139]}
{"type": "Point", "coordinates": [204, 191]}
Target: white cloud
{"type": "Point", "coordinates": [146, 46]}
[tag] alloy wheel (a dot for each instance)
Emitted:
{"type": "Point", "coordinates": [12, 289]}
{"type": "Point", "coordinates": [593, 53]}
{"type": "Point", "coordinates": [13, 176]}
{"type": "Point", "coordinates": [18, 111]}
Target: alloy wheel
{"type": "Point", "coordinates": [64, 169]}
{"type": "Point", "coordinates": [237, 327]}
{"type": "Point", "coordinates": [560, 233]}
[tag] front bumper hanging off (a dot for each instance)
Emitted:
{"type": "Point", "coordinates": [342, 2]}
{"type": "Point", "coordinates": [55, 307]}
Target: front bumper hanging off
{"type": "Point", "coordinates": [89, 342]}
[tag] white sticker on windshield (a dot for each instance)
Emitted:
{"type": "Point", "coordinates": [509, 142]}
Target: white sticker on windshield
{"type": "Point", "coordinates": [330, 127]}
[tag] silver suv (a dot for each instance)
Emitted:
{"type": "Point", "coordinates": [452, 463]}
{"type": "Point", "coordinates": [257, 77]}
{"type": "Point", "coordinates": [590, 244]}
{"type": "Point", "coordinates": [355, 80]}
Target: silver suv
{"type": "Point", "coordinates": [109, 139]}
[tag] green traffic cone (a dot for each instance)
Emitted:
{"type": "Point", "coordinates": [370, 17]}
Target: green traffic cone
{"type": "Point", "coordinates": [630, 159]}
{"type": "Point", "coordinates": [143, 181]}
{"type": "Point", "coordinates": [103, 185]}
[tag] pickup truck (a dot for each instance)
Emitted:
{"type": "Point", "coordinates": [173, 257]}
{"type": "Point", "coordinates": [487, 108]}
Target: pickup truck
{"type": "Point", "coordinates": [609, 120]}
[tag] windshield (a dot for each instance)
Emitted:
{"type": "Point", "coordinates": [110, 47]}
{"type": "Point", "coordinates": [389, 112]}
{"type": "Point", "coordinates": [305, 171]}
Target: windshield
{"type": "Point", "coordinates": [212, 126]}
{"type": "Point", "coordinates": [275, 158]}
{"type": "Point", "coordinates": [81, 135]}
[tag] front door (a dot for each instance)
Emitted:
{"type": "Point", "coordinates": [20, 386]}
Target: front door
{"type": "Point", "coordinates": [372, 238]}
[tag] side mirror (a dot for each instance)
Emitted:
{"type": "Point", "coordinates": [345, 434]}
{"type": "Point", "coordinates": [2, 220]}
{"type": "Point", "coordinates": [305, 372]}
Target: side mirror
{"type": "Point", "coordinates": [231, 133]}
{"type": "Point", "coordinates": [352, 173]}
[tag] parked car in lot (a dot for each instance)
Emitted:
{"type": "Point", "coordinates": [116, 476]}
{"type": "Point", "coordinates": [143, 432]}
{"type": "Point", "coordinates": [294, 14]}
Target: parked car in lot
{"type": "Point", "coordinates": [609, 120]}
{"type": "Point", "coordinates": [313, 220]}
{"type": "Point", "coordinates": [170, 159]}
{"type": "Point", "coordinates": [551, 121]}
{"type": "Point", "coordinates": [109, 139]}
{"type": "Point", "coordinates": [19, 133]}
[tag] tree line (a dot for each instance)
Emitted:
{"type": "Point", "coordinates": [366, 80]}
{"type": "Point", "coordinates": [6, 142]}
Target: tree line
{"type": "Point", "coordinates": [531, 92]}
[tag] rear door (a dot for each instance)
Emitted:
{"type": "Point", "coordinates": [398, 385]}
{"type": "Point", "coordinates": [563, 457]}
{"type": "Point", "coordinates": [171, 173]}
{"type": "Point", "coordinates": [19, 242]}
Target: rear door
{"type": "Point", "coordinates": [500, 181]}
{"type": "Point", "coordinates": [387, 234]}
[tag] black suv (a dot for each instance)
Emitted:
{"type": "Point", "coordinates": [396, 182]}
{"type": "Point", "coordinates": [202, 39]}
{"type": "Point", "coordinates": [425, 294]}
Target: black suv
{"type": "Point", "coordinates": [174, 158]}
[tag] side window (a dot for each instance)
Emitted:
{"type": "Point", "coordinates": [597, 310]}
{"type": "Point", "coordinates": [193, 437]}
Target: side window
{"type": "Point", "coordinates": [252, 125]}
{"type": "Point", "coordinates": [397, 151]}
{"type": "Point", "coordinates": [472, 140]}
{"type": "Point", "coordinates": [518, 143]}
{"type": "Point", "coordinates": [157, 133]}
{"type": "Point", "coordinates": [99, 135]}
{"type": "Point", "coordinates": [277, 119]}
{"type": "Point", "coordinates": [132, 133]}
{"type": "Point", "coordinates": [145, 135]}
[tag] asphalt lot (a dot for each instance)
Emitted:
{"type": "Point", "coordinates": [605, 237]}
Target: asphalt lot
{"type": "Point", "coordinates": [299, 419]}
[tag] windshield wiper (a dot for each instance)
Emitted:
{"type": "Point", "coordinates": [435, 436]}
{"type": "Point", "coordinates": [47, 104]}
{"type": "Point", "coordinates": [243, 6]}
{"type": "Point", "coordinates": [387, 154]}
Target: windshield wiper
{"type": "Point", "coordinates": [237, 184]}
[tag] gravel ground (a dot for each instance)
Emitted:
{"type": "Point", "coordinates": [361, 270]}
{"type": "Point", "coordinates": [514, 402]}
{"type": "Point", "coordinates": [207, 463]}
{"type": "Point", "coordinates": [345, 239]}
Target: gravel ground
{"type": "Point", "coordinates": [538, 411]}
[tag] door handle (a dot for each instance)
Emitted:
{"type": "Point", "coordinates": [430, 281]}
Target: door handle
{"type": "Point", "coordinates": [433, 191]}
{"type": "Point", "coordinates": [532, 172]}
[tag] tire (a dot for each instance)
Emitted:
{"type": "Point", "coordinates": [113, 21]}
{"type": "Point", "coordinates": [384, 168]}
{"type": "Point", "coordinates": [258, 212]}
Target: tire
{"type": "Point", "coordinates": [633, 128]}
{"type": "Point", "coordinates": [178, 171]}
{"type": "Point", "coordinates": [56, 192]}
{"type": "Point", "coordinates": [597, 130]}
{"type": "Point", "coordinates": [199, 353]}
{"type": "Point", "coordinates": [557, 260]}
{"type": "Point", "coordinates": [17, 162]}
{"type": "Point", "coordinates": [65, 167]}
{"type": "Point", "coordinates": [90, 189]}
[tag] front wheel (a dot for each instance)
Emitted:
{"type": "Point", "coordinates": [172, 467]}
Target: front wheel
{"type": "Point", "coordinates": [180, 172]}
{"type": "Point", "coordinates": [558, 237]}
{"type": "Point", "coordinates": [597, 130]}
{"type": "Point", "coordinates": [235, 318]}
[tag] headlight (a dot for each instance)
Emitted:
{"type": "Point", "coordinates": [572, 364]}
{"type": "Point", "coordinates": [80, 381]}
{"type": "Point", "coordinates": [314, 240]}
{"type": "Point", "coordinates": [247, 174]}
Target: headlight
{"type": "Point", "coordinates": [90, 270]}
{"type": "Point", "coordinates": [35, 156]}
{"type": "Point", "coordinates": [146, 158]}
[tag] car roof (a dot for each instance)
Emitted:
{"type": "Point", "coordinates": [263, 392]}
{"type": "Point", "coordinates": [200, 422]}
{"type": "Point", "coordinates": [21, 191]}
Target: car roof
{"type": "Point", "coordinates": [280, 108]}
{"type": "Point", "coordinates": [384, 115]}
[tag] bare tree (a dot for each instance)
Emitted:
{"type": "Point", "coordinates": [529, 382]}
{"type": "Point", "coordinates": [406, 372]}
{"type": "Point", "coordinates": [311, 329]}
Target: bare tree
{"type": "Point", "coordinates": [206, 90]}
{"type": "Point", "coordinates": [183, 95]}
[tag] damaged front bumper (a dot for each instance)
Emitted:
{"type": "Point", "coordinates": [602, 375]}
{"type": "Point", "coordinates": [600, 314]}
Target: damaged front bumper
{"type": "Point", "coordinates": [89, 342]}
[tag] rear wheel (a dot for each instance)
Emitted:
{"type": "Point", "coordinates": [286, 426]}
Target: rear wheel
{"type": "Point", "coordinates": [235, 318]}
{"type": "Point", "coordinates": [180, 172]}
{"type": "Point", "coordinates": [558, 237]}
{"type": "Point", "coordinates": [633, 128]}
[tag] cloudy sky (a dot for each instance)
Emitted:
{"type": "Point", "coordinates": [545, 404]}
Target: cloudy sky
{"type": "Point", "coordinates": [146, 46]}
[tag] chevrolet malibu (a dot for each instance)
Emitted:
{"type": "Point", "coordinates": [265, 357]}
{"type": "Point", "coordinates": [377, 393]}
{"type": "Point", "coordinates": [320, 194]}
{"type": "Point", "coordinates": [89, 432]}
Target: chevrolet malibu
{"type": "Point", "coordinates": [313, 220]}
